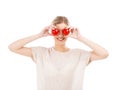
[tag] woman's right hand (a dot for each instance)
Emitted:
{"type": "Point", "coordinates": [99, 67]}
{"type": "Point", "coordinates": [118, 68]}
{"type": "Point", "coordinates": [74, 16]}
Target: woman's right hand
{"type": "Point", "coordinates": [45, 32]}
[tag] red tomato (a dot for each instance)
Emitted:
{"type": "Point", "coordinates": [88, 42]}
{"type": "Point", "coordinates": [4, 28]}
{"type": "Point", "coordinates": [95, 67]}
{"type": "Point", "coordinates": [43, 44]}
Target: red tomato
{"type": "Point", "coordinates": [66, 31]}
{"type": "Point", "coordinates": [55, 31]}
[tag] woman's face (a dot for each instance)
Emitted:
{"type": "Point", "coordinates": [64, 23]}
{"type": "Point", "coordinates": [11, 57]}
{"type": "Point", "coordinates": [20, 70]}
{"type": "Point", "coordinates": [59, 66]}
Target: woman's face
{"type": "Point", "coordinates": [60, 39]}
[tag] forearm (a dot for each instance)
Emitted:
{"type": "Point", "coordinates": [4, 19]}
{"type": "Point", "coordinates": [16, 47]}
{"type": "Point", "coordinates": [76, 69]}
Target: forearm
{"type": "Point", "coordinates": [97, 49]}
{"type": "Point", "coordinates": [21, 42]}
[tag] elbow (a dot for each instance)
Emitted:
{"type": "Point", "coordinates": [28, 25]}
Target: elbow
{"type": "Point", "coordinates": [11, 48]}
{"type": "Point", "coordinates": [105, 54]}
{"type": "Point", "coordinates": [99, 56]}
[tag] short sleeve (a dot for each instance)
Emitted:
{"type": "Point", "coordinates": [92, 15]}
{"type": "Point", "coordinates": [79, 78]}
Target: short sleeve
{"type": "Point", "coordinates": [85, 56]}
{"type": "Point", "coordinates": [37, 53]}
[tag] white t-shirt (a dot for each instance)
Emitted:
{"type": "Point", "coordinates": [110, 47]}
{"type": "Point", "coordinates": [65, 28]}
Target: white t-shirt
{"type": "Point", "coordinates": [60, 70]}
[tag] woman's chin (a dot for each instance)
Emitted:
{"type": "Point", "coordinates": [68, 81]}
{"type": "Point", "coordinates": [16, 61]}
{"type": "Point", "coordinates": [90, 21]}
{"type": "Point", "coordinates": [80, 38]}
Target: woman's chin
{"type": "Point", "coordinates": [60, 41]}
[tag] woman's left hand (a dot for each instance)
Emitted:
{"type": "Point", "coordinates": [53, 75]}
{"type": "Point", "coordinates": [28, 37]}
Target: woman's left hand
{"type": "Point", "coordinates": [74, 33]}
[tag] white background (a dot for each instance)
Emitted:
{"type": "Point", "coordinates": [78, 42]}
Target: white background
{"type": "Point", "coordinates": [98, 20]}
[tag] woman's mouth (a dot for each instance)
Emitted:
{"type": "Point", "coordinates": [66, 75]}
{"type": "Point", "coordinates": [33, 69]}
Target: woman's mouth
{"type": "Point", "coordinates": [60, 38]}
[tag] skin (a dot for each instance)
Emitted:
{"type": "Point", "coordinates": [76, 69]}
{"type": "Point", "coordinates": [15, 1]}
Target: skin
{"type": "Point", "coordinates": [60, 44]}
{"type": "Point", "coordinates": [97, 53]}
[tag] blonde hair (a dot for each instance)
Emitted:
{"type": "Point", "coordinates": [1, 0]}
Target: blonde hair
{"type": "Point", "coordinates": [60, 19]}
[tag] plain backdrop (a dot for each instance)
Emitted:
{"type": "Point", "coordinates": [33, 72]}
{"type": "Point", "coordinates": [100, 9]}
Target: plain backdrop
{"type": "Point", "coordinates": [97, 20]}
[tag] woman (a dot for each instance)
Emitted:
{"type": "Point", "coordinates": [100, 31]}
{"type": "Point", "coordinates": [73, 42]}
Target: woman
{"type": "Point", "coordinates": [59, 67]}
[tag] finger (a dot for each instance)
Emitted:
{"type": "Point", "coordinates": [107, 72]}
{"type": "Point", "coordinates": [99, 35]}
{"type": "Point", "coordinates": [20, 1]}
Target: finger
{"type": "Point", "coordinates": [72, 29]}
{"type": "Point", "coordinates": [49, 34]}
{"type": "Point", "coordinates": [48, 27]}
{"type": "Point", "coordinates": [77, 29]}
{"type": "Point", "coordinates": [53, 26]}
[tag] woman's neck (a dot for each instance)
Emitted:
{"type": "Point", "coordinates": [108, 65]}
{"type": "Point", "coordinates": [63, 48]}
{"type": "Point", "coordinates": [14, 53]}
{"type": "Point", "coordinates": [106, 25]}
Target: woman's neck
{"type": "Point", "coordinates": [61, 48]}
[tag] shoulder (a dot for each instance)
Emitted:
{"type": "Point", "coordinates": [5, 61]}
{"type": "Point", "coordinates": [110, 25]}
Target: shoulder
{"type": "Point", "coordinates": [40, 49]}
{"type": "Point", "coordinates": [38, 52]}
{"type": "Point", "coordinates": [81, 51]}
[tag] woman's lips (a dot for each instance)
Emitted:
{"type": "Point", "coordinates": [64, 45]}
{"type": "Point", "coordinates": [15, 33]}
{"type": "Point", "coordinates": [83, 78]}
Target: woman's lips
{"type": "Point", "coordinates": [60, 38]}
